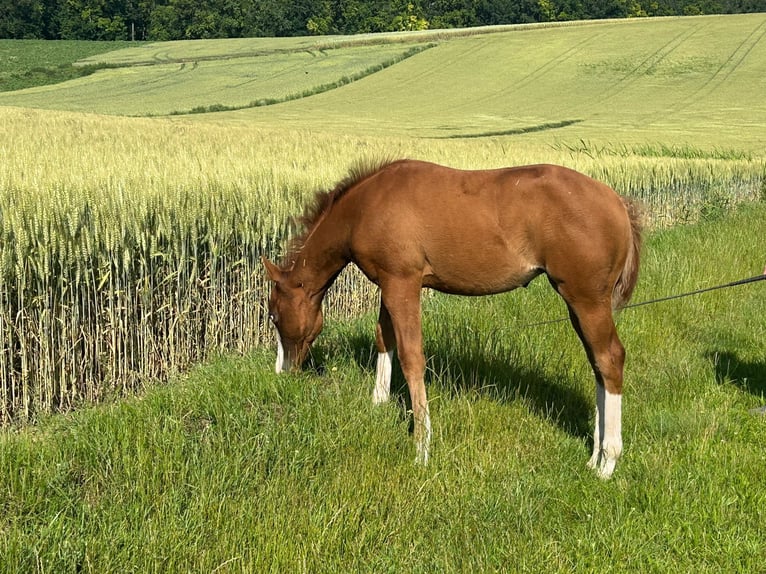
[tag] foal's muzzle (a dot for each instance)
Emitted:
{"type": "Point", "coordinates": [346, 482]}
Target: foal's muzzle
{"type": "Point", "coordinates": [290, 358]}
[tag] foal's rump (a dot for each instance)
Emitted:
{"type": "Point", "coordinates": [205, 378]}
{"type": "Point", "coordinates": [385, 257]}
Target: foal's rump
{"type": "Point", "coordinates": [586, 236]}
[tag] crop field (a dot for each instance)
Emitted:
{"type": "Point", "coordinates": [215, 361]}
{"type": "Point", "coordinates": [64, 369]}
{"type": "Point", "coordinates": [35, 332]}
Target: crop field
{"type": "Point", "coordinates": [676, 79]}
{"type": "Point", "coordinates": [688, 81]}
{"type": "Point", "coordinates": [131, 232]}
{"type": "Point", "coordinates": [196, 85]}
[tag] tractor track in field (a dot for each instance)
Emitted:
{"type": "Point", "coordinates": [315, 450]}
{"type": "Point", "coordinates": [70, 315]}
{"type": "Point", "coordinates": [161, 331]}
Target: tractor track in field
{"type": "Point", "coordinates": [164, 57]}
{"type": "Point", "coordinates": [642, 68]}
{"type": "Point", "coordinates": [551, 64]}
{"type": "Point", "coordinates": [726, 69]}
{"type": "Point", "coordinates": [530, 77]}
{"type": "Point", "coordinates": [437, 72]}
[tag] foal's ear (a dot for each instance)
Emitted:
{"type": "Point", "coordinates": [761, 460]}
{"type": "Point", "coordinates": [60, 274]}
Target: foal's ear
{"type": "Point", "coordinates": [275, 273]}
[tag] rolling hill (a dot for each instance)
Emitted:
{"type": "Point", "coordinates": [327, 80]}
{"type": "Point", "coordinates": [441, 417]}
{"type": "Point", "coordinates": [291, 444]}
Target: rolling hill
{"type": "Point", "coordinates": [695, 80]}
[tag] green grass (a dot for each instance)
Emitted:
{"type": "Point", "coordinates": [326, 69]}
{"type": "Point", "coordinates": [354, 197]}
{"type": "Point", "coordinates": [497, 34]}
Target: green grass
{"type": "Point", "coordinates": [235, 469]}
{"type": "Point", "coordinates": [228, 181]}
{"type": "Point", "coordinates": [29, 63]}
{"type": "Point", "coordinates": [511, 81]}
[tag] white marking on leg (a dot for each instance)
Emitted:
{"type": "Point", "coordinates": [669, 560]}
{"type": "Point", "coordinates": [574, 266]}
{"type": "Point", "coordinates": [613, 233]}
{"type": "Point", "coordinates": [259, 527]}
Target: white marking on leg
{"type": "Point", "coordinates": [382, 389]}
{"type": "Point", "coordinates": [280, 365]}
{"type": "Point", "coordinates": [597, 434]}
{"type": "Point", "coordinates": [607, 432]}
{"type": "Point", "coordinates": [424, 439]}
{"type": "Point", "coordinates": [611, 445]}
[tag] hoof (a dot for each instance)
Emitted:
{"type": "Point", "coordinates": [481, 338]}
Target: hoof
{"type": "Point", "coordinates": [606, 469]}
{"type": "Point", "coordinates": [379, 398]}
{"type": "Point", "coordinates": [603, 465]}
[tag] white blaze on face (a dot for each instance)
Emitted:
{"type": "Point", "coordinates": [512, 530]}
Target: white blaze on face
{"type": "Point", "coordinates": [280, 366]}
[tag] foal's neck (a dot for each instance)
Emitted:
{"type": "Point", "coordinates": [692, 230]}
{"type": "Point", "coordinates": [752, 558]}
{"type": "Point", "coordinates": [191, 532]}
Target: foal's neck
{"type": "Point", "coordinates": [323, 256]}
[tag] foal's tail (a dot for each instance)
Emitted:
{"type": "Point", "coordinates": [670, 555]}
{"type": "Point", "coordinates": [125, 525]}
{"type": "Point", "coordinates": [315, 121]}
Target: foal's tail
{"type": "Point", "coordinates": [626, 282]}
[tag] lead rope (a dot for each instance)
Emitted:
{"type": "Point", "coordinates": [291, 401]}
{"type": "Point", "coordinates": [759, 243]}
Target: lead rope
{"type": "Point", "coordinates": [669, 297]}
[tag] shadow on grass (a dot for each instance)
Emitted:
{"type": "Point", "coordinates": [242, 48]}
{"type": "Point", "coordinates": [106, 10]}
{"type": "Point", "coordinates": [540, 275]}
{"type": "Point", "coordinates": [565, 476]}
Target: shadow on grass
{"type": "Point", "coordinates": [748, 376]}
{"type": "Point", "coordinates": [501, 378]}
{"type": "Point", "coordinates": [508, 379]}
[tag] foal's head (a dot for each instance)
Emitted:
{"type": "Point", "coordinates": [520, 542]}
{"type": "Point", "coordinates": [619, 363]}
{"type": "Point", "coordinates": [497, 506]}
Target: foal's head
{"type": "Point", "coordinates": [296, 315]}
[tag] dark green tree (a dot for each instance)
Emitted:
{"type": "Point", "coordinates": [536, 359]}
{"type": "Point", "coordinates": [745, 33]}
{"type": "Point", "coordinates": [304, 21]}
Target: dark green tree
{"type": "Point", "coordinates": [180, 19]}
{"type": "Point", "coordinates": [599, 9]}
{"type": "Point", "coordinates": [492, 12]}
{"type": "Point", "coordinates": [92, 20]}
{"type": "Point", "coordinates": [22, 19]}
{"type": "Point", "coordinates": [451, 13]}
{"type": "Point", "coordinates": [407, 15]}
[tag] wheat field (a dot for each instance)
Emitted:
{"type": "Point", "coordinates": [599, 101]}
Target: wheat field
{"type": "Point", "coordinates": [130, 248]}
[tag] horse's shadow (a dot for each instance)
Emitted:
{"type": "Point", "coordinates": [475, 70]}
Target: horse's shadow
{"type": "Point", "coordinates": [497, 377]}
{"type": "Point", "coordinates": [748, 376]}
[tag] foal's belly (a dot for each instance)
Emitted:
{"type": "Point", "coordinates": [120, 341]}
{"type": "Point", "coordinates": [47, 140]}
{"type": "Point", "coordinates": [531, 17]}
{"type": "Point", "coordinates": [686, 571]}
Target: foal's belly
{"type": "Point", "coordinates": [479, 280]}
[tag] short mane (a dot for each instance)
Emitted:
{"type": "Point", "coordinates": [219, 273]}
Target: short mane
{"type": "Point", "coordinates": [323, 201]}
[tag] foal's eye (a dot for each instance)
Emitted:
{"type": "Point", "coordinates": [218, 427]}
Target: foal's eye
{"type": "Point", "coordinates": [273, 318]}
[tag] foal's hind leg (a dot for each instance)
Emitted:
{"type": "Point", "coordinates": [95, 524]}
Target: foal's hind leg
{"type": "Point", "coordinates": [595, 326]}
{"type": "Point", "coordinates": [385, 343]}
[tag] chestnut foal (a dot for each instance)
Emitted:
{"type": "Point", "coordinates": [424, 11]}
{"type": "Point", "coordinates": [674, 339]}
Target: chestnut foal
{"type": "Point", "coordinates": [410, 224]}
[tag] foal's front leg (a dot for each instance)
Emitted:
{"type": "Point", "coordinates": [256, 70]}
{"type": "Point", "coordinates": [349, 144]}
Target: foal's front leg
{"type": "Point", "coordinates": [385, 343]}
{"type": "Point", "coordinates": [401, 299]}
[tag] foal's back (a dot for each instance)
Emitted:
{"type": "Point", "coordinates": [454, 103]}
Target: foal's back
{"type": "Point", "coordinates": [480, 232]}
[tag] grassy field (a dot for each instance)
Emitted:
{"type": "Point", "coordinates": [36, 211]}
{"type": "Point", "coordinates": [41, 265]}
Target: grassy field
{"type": "Point", "coordinates": [29, 63]}
{"type": "Point", "coordinates": [201, 84]}
{"type": "Point", "coordinates": [676, 80]}
{"type": "Point", "coordinates": [130, 248]}
{"type": "Point", "coordinates": [235, 469]}
{"type": "Point", "coordinates": [687, 81]}
{"type": "Point", "coordinates": [129, 252]}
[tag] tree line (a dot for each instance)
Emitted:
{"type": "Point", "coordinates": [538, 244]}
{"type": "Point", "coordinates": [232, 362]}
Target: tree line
{"type": "Point", "coordinates": [190, 19]}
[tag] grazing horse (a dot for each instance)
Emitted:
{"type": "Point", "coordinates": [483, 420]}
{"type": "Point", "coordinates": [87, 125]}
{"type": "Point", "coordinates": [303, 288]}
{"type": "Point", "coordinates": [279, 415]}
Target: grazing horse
{"type": "Point", "coordinates": [411, 224]}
